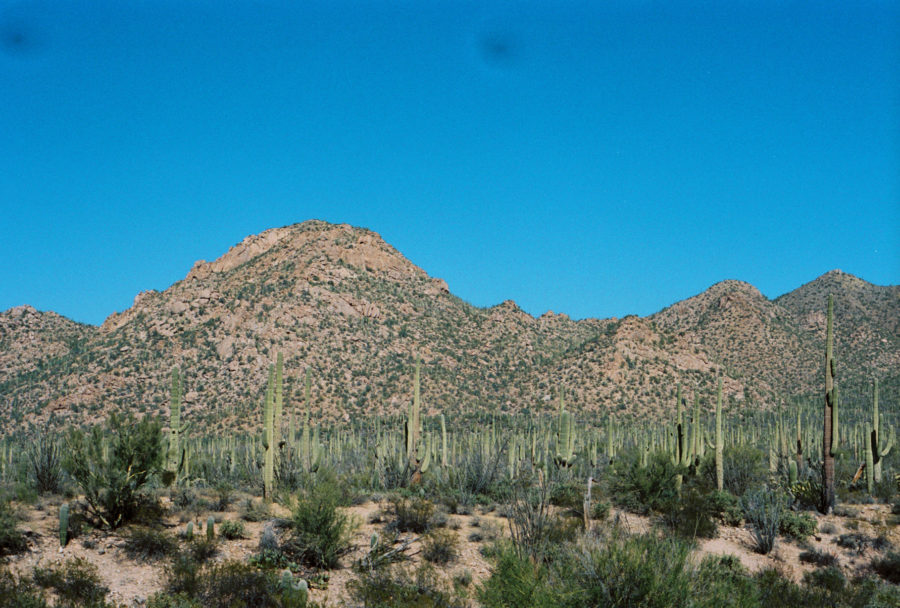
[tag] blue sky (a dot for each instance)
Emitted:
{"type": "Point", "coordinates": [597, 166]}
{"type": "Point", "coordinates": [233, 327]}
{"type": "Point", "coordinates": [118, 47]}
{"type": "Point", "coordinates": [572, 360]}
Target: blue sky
{"type": "Point", "coordinates": [594, 161]}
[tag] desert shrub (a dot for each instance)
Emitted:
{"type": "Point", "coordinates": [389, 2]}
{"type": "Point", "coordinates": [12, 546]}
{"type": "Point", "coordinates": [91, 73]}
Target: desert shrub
{"type": "Point", "coordinates": [148, 543]}
{"type": "Point", "coordinates": [19, 592]}
{"type": "Point", "coordinates": [46, 466]}
{"type": "Point", "coordinates": [223, 496]}
{"type": "Point", "coordinates": [12, 540]}
{"type": "Point", "coordinates": [568, 495]}
{"type": "Point", "coordinates": [616, 569]}
{"type": "Point", "coordinates": [888, 567]}
{"type": "Point", "coordinates": [254, 511]}
{"type": "Point", "coordinates": [516, 582]}
{"type": "Point", "coordinates": [232, 529]}
{"type": "Point", "coordinates": [819, 558]}
{"type": "Point", "coordinates": [827, 528]}
{"type": "Point", "coordinates": [724, 507]}
{"type": "Point", "coordinates": [798, 526]}
{"type": "Point", "coordinates": [319, 533]}
{"type": "Point", "coordinates": [859, 542]}
{"type": "Point", "coordinates": [112, 479]}
{"type": "Point", "coordinates": [440, 546]}
{"type": "Point", "coordinates": [886, 489]}
{"type": "Point", "coordinates": [75, 581]}
{"type": "Point", "coordinates": [744, 467]}
{"type": "Point", "coordinates": [226, 585]}
{"type": "Point", "coordinates": [202, 549]}
{"type": "Point", "coordinates": [398, 587]}
{"type": "Point", "coordinates": [644, 489]}
{"type": "Point", "coordinates": [722, 582]}
{"type": "Point", "coordinates": [764, 508]}
{"type": "Point", "coordinates": [807, 493]}
{"type": "Point", "coordinates": [463, 579]}
{"type": "Point", "coordinates": [600, 510]}
{"type": "Point", "coordinates": [692, 516]}
{"type": "Point", "coordinates": [411, 514]}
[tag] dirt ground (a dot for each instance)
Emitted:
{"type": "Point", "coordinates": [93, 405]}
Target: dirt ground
{"type": "Point", "coordinates": [132, 581]}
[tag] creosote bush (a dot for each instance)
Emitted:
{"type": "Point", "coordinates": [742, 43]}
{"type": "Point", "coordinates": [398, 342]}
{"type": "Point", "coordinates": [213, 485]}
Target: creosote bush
{"type": "Point", "coordinates": [76, 581]}
{"type": "Point", "coordinates": [12, 540]}
{"type": "Point", "coordinates": [642, 489]}
{"type": "Point", "coordinates": [440, 546]}
{"type": "Point", "coordinates": [232, 529]}
{"type": "Point", "coordinates": [411, 514]}
{"type": "Point", "coordinates": [148, 543]}
{"type": "Point", "coordinates": [319, 532]}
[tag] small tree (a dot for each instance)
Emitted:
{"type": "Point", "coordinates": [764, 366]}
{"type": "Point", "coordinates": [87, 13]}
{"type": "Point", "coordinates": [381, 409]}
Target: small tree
{"type": "Point", "coordinates": [112, 463]}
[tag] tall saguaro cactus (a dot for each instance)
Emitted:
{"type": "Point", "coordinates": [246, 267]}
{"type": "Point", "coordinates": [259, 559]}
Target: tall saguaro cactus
{"type": "Point", "coordinates": [830, 427]}
{"type": "Point", "coordinates": [418, 454]}
{"type": "Point", "coordinates": [720, 443]}
{"type": "Point", "coordinates": [174, 453]}
{"type": "Point", "coordinates": [269, 438]}
{"type": "Point", "coordinates": [874, 451]}
{"type": "Point", "coordinates": [279, 399]}
{"type": "Point", "coordinates": [565, 437]}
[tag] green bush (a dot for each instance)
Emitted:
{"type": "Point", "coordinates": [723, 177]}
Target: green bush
{"type": "Point", "coordinates": [618, 569]}
{"type": "Point", "coordinates": [645, 489]}
{"type": "Point", "coordinates": [819, 558]}
{"type": "Point", "coordinates": [411, 514]}
{"type": "Point", "coordinates": [568, 495]}
{"type": "Point", "coordinates": [232, 529]}
{"type": "Point", "coordinates": [440, 546]}
{"type": "Point", "coordinates": [798, 526]}
{"type": "Point", "coordinates": [397, 587]}
{"type": "Point", "coordinates": [111, 465]}
{"type": "Point", "coordinates": [692, 516]}
{"type": "Point", "coordinates": [147, 543]}
{"type": "Point", "coordinates": [12, 540]}
{"type": "Point", "coordinates": [225, 585]}
{"type": "Point", "coordinates": [75, 581]}
{"type": "Point", "coordinates": [516, 582]}
{"type": "Point", "coordinates": [744, 467]}
{"type": "Point", "coordinates": [888, 567]}
{"type": "Point", "coordinates": [19, 592]}
{"type": "Point", "coordinates": [319, 532]}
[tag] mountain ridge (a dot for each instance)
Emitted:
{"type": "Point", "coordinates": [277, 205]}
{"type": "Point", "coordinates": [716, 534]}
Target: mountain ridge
{"type": "Point", "coordinates": [345, 303]}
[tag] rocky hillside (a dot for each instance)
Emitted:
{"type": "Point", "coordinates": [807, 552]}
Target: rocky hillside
{"type": "Point", "coordinates": [347, 305]}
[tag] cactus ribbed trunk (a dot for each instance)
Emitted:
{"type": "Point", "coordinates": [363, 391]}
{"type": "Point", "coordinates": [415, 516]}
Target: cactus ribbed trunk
{"type": "Point", "coordinates": [720, 444]}
{"type": "Point", "coordinates": [269, 438]}
{"type": "Point", "coordinates": [829, 430]}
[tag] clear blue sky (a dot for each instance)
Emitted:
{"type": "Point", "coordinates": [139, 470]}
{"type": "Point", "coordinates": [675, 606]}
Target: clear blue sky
{"type": "Point", "coordinates": [593, 161]}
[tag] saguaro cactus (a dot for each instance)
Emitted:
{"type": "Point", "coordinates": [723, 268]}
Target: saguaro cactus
{"type": "Point", "coordinates": [175, 454]}
{"type": "Point", "coordinates": [565, 437]}
{"type": "Point", "coordinates": [874, 451]}
{"type": "Point", "coordinates": [63, 524]}
{"type": "Point", "coordinates": [830, 426]}
{"type": "Point", "coordinates": [279, 399]}
{"type": "Point", "coordinates": [269, 438]}
{"type": "Point", "coordinates": [418, 455]}
{"type": "Point", "coordinates": [720, 443]}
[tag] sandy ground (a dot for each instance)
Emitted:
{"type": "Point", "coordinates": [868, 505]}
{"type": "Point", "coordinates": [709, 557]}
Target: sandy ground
{"type": "Point", "coordinates": [131, 581]}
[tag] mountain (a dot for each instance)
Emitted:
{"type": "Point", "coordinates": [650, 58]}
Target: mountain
{"type": "Point", "coordinates": [345, 304]}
